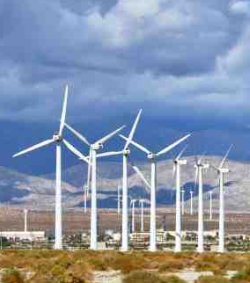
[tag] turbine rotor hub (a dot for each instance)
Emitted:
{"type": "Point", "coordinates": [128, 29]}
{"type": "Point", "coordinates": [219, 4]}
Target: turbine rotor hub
{"type": "Point", "coordinates": [97, 146]}
{"type": "Point", "coordinates": [151, 156]}
{"type": "Point", "coordinates": [57, 137]}
{"type": "Point", "coordinates": [126, 152]}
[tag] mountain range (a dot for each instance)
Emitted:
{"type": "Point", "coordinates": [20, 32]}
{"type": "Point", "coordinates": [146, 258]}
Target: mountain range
{"type": "Point", "coordinates": [19, 190]}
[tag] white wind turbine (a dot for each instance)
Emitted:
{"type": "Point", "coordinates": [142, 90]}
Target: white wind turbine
{"type": "Point", "coordinates": [93, 148]}
{"type": "Point", "coordinates": [182, 201]}
{"type": "Point", "coordinates": [191, 202]}
{"type": "Point", "coordinates": [152, 157]}
{"type": "Point", "coordinates": [57, 139]}
{"type": "Point", "coordinates": [210, 205]}
{"type": "Point", "coordinates": [125, 155]}
{"type": "Point", "coordinates": [132, 204]}
{"type": "Point", "coordinates": [221, 172]}
{"type": "Point", "coordinates": [178, 162]}
{"type": "Point", "coordinates": [118, 199]}
{"type": "Point", "coordinates": [141, 202]}
{"type": "Point", "coordinates": [25, 212]}
{"type": "Point", "coordinates": [199, 167]}
{"type": "Point", "coordinates": [85, 187]}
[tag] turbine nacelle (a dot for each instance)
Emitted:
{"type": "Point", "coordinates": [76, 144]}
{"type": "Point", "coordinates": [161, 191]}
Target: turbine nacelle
{"type": "Point", "coordinates": [126, 152]}
{"type": "Point", "coordinates": [152, 156]}
{"type": "Point", "coordinates": [200, 165]}
{"type": "Point", "coordinates": [57, 137]}
{"type": "Point", "coordinates": [97, 146]}
{"type": "Point", "coordinates": [180, 161]}
{"type": "Point", "coordinates": [223, 170]}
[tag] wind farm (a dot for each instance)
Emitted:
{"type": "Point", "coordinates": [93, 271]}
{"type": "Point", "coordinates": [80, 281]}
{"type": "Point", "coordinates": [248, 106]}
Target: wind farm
{"type": "Point", "coordinates": [127, 230]}
{"type": "Point", "coordinates": [136, 222]}
{"type": "Point", "coordinates": [124, 146]}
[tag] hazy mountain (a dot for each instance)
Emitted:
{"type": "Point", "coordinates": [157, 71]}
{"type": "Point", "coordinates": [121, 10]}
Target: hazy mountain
{"type": "Point", "coordinates": [20, 190]}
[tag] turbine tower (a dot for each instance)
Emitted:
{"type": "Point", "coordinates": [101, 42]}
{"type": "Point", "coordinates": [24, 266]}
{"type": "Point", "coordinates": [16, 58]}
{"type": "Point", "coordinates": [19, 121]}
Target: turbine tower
{"type": "Point", "coordinates": [57, 139]}
{"type": "Point", "coordinates": [132, 204]}
{"type": "Point", "coordinates": [199, 167]}
{"type": "Point", "coordinates": [93, 149]}
{"type": "Point", "coordinates": [118, 199]}
{"type": "Point", "coordinates": [152, 157]}
{"type": "Point", "coordinates": [191, 202]}
{"type": "Point", "coordinates": [125, 155]}
{"type": "Point", "coordinates": [85, 197]}
{"type": "Point", "coordinates": [182, 202]}
{"type": "Point", "coordinates": [25, 212]}
{"type": "Point", "coordinates": [141, 202]}
{"type": "Point", "coordinates": [178, 162]}
{"type": "Point", "coordinates": [221, 172]}
{"type": "Point", "coordinates": [210, 205]}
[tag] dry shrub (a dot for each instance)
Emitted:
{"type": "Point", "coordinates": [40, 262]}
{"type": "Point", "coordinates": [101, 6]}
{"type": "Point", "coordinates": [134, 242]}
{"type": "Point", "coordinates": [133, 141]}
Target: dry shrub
{"type": "Point", "coordinates": [212, 279]}
{"type": "Point", "coordinates": [148, 277]}
{"type": "Point", "coordinates": [173, 279]}
{"type": "Point", "coordinates": [127, 263]}
{"type": "Point", "coordinates": [12, 275]}
{"type": "Point", "coordinates": [142, 277]}
{"type": "Point", "coordinates": [242, 276]}
{"type": "Point", "coordinates": [171, 265]}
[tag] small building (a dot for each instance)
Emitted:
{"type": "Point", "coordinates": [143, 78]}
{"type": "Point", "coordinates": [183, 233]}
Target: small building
{"type": "Point", "coordinates": [22, 235]}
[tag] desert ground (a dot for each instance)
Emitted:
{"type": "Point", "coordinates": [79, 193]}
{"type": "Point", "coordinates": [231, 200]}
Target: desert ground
{"type": "Point", "coordinates": [77, 221]}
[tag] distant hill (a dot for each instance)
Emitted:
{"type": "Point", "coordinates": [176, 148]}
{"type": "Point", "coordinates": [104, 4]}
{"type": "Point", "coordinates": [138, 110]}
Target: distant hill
{"type": "Point", "coordinates": [21, 190]}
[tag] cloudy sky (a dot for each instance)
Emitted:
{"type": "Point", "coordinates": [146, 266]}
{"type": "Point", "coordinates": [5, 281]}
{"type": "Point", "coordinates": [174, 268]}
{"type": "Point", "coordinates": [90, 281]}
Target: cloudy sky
{"type": "Point", "coordinates": [174, 58]}
{"type": "Point", "coordinates": [185, 62]}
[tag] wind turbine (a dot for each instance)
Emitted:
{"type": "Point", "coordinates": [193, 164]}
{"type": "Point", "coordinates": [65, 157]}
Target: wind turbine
{"type": "Point", "coordinates": [57, 139]}
{"type": "Point", "coordinates": [125, 155]}
{"type": "Point", "coordinates": [182, 202]}
{"type": "Point", "coordinates": [221, 172]}
{"type": "Point", "coordinates": [191, 202]}
{"type": "Point", "coordinates": [132, 204]}
{"type": "Point", "coordinates": [141, 202]}
{"type": "Point", "coordinates": [118, 199]}
{"type": "Point", "coordinates": [93, 149]}
{"type": "Point", "coordinates": [152, 157]}
{"type": "Point", "coordinates": [210, 205]}
{"type": "Point", "coordinates": [199, 167]}
{"type": "Point", "coordinates": [85, 197]}
{"type": "Point", "coordinates": [25, 212]}
{"type": "Point", "coordinates": [178, 162]}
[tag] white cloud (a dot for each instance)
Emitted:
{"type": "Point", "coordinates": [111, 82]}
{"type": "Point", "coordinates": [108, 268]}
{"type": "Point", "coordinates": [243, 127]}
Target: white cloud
{"type": "Point", "coordinates": [240, 7]}
{"type": "Point", "coordinates": [138, 52]}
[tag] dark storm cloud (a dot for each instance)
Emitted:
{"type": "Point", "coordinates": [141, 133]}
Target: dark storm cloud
{"type": "Point", "coordinates": [120, 55]}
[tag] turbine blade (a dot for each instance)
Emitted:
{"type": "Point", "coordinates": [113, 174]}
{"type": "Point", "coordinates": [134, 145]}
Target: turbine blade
{"type": "Point", "coordinates": [181, 153]}
{"type": "Point", "coordinates": [225, 157]}
{"type": "Point", "coordinates": [142, 148]}
{"type": "Point", "coordinates": [89, 171]}
{"type": "Point", "coordinates": [215, 168]}
{"type": "Point", "coordinates": [109, 136]}
{"type": "Point", "coordinates": [64, 109]}
{"type": "Point", "coordinates": [140, 174]}
{"type": "Point", "coordinates": [171, 146]}
{"type": "Point", "coordinates": [110, 153]}
{"type": "Point", "coordinates": [132, 132]}
{"type": "Point", "coordinates": [77, 134]}
{"type": "Point", "coordinates": [174, 169]}
{"type": "Point", "coordinates": [196, 177]}
{"type": "Point", "coordinates": [34, 147]}
{"type": "Point", "coordinates": [75, 151]}
{"type": "Point", "coordinates": [202, 156]}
